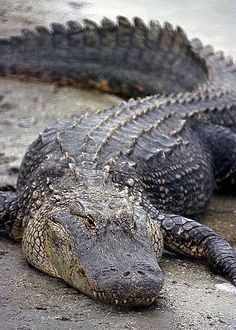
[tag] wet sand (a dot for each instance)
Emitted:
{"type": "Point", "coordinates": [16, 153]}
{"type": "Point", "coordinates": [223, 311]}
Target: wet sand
{"type": "Point", "coordinates": [192, 296]}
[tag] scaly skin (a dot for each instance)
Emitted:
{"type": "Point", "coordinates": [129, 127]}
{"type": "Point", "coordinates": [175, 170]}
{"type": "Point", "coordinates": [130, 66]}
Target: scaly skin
{"type": "Point", "coordinates": [97, 197]}
{"type": "Point", "coordinates": [125, 59]}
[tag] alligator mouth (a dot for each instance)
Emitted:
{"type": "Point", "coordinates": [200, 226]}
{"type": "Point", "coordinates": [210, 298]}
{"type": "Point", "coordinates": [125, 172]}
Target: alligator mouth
{"type": "Point", "coordinates": [114, 299]}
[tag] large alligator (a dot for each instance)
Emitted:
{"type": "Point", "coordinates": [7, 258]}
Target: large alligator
{"type": "Point", "coordinates": [97, 197]}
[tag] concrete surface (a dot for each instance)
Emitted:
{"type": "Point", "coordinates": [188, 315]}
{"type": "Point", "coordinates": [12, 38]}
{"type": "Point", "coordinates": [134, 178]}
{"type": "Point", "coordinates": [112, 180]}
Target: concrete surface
{"type": "Point", "coordinates": [193, 297]}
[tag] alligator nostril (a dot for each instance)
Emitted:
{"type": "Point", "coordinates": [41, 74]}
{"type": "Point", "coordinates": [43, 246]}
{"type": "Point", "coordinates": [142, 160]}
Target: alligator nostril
{"type": "Point", "coordinates": [140, 272]}
{"type": "Point", "coordinates": [125, 274]}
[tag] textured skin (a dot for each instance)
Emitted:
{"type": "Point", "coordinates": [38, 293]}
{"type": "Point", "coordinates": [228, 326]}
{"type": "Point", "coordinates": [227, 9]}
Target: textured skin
{"type": "Point", "coordinates": [96, 197]}
{"type": "Point", "coordinates": [90, 56]}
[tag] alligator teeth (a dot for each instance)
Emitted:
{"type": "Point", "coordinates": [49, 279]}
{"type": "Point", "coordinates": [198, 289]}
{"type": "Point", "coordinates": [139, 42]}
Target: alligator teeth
{"type": "Point", "coordinates": [124, 301]}
{"type": "Point", "coordinates": [116, 301]}
{"type": "Point", "coordinates": [99, 295]}
{"type": "Point", "coordinates": [153, 299]}
{"type": "Point", "coordinates": [95, 294]}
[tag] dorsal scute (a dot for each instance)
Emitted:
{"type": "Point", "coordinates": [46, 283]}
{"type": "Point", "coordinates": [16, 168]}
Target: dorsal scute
{"type": "Point", "coordinates": [74, 26]}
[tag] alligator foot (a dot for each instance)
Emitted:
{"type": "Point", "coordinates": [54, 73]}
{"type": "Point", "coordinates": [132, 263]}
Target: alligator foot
{"type": "Point", "coordinates": [7, 209]}
{"type": "Point", "coordinates": [190, 238]}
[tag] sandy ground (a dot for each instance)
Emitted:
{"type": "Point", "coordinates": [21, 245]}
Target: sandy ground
{"type": "Point", "coordinates": [193, 297]}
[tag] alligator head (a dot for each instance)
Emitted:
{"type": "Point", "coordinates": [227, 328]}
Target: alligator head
{"type": "Point", "coordinates": [104, 250]}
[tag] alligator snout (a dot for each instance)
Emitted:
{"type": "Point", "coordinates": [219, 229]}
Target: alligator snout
{"type": "Point", "coordinates": [133, 286]}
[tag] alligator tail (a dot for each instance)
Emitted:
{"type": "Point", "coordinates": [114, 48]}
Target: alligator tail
{"type": "Point", "coordinates": [129, 59]}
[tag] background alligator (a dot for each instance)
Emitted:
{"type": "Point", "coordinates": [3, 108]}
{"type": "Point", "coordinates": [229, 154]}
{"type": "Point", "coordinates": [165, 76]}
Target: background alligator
{"type": "Point", "coordinates": [134, 154]}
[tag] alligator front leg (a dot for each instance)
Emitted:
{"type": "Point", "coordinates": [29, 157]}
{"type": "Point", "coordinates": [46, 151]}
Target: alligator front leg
{"type": "Point", "coordinates": [190, 238]}
{"type": "Point", "coordinates": [10, 221]}
{"type": "Point", "coordinates": [6, 198]}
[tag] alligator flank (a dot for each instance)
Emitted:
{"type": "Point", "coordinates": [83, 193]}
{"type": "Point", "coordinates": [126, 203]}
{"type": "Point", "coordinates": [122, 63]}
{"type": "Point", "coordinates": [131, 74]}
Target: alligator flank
{"type": "Point", "coordinates": [98, 197]}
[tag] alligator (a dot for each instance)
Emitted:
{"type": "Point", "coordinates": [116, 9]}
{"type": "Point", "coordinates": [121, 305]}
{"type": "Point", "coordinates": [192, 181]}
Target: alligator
{"type": "Point", "coordinates": [100, 196]}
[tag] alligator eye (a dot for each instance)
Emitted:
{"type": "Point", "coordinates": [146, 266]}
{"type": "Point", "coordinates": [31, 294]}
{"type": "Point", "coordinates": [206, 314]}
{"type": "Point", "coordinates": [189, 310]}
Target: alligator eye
{"type": "Point", "coordinates": [90, 221]}
{"type": "Point", "coordinates": [78, 209]}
